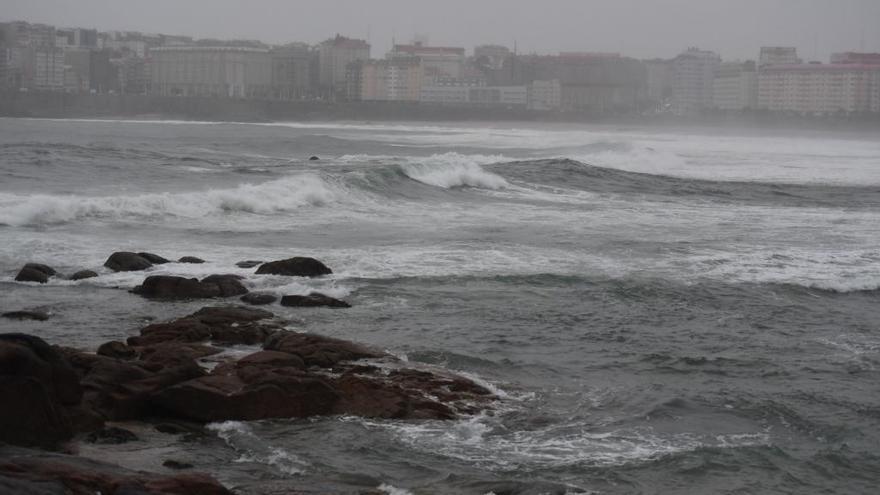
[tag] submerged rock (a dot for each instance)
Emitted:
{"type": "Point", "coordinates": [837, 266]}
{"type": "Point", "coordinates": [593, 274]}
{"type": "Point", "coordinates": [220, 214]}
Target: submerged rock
{"type": "Point", "coordinates": [172, 464]}
{"type": "Point", "coordinates": [83, 274]}
{"type": "Point", "coordinates": [190, 259]}
{"type": "Point", "coordinates": [172, 287]}
{"type": "Point", "coordinates": [123, 261]}
{"type": "Point", "coordinates": [26, 315]}
{"type": "Point", "coordinates": [313, 158]}
{"type": "Point", "coordinates": [315, 299]}
{"type": "Point", "coordinates": [111, 435]}
{"type": "Point", "coordinates": [248, 263]}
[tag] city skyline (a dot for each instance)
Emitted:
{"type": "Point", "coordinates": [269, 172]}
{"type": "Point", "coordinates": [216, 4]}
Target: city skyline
{"type": "Point", "coordinates": [654, 32]}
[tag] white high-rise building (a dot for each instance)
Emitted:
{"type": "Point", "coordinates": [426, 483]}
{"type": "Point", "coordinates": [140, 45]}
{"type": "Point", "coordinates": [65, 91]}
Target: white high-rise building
{"type": "Point", "coordinates": [334, 57]}
{"type": "Point", "coordinates": [820, 88]}
{"type": "Point", "coordinates": [693, 74]}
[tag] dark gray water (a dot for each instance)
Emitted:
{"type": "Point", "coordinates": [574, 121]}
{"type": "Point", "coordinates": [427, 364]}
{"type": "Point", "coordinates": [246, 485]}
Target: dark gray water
{"type": "Point", "coordinates": [660, 312]}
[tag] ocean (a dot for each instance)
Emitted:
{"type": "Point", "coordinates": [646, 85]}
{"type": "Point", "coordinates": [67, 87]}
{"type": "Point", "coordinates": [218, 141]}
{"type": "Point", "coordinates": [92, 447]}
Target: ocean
{"type": "Point", "coordinates": [659, 310]}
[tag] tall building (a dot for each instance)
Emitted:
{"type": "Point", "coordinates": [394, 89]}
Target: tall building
{"type": "Point", "coordinates": [48, 73]}
{"type": "Point", "coordinates": [856, 58]}
{"type": "Point", "coordinates": [693, 74]}
{"type": "Point", "coordinates": [820, 88]}
{"type": "Point", "coordinates": [227, 71]}
{"type": "Point", "coordinates": [334, 56]}
{"type": "Point", "coordinates": [658, 86]}
{"type": "Point", "coordinates": [291, 71]}
{"type": "Point", "coordinates": [437, 61]}
{"type": "Point", "coordinates": [778, 55]}
{"type": "Point", "coordinates": [735, 86]}
{"type": "Point", "coordinates": [398, 79]}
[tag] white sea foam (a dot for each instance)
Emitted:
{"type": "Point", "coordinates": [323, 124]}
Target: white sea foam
{"type": "Point", "coordinates": [280, 195]}
{"type": "Point", "coordinates": [479, 442]}
{"type": "Point", "coordinates": [241, 437]}
{"type": "Point", "coordinates": [393, 490]}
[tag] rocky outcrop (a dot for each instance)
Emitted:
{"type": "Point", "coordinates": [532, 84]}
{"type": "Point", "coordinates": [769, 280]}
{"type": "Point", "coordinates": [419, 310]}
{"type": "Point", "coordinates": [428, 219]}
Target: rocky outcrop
{"type": "Point", "coordinates": [38, 384]}
{"type": "Point", "coordinates": [35, 272]}
{"type": "Point", "coordinates": [154, 258]}
{"type": "Point", "coordinates": [313, 300]}
{"type": "Point", "coordinates": [30, 472]}
{"type": "Point", "coordinates": [295, 267]}
{"type": "Point", "coordinates": [191, 259]}
{"type": "Point", "coordinates": [83, 274]}
{"type": "Point", "coordinates": [172, 287]}
{"type": "Point", "coordinates": [26, 315]}
{"type": "Point", "coordinates": [161, 373]}
{"type": "Point", "coordinates": [258, 298]}
{"type": "Point", "coordinates": [123, 261]}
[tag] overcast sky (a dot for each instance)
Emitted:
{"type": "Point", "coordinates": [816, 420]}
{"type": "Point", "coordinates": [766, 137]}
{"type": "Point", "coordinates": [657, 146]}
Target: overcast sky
{"type": "Point", "coordinates": [639, 28]}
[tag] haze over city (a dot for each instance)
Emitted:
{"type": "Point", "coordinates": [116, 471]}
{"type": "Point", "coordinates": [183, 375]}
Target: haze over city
{"type": "Point", "coordinates": [637, 28]}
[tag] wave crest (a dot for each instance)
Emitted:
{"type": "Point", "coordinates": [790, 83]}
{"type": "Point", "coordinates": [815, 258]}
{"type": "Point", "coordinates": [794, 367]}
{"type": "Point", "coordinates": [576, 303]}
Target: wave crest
{"type": "Point", "coordinates": [270, 197]}
{"type": "Point", "coordinates": [451, 170]}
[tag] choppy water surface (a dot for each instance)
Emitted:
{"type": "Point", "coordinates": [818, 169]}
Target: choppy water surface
{"type": "Point", "coordinates": [660, 311]}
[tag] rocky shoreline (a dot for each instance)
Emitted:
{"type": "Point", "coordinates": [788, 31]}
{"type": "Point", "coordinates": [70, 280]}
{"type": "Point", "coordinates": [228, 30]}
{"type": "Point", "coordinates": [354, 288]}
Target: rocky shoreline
{"type": "Point", "coordinates": [190, 371]}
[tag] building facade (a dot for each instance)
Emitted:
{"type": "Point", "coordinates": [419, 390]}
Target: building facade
{"type": "Point", "coordinates": [820, 89]}
{"type": "Point", "coordinates": [291, 71]}
{"type": "Point", "coordinates": [693, 75]}
{"type": "Point", "coordinates": [398, 79]}
{"type": "Point", "coordinates": [735, 86]}
{"type": "Point", "coordinates": [334, 57]}
{"type": "Point", "coordinates": [227, 71]}
{"type": "Point", "coordinates": [437, 61]}
{"type": "Point", "coordinates": [545, 95]}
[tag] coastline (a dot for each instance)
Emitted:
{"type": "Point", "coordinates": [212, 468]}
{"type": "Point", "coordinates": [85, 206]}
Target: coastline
{"type": "Point", "coordinates": [54, 105]}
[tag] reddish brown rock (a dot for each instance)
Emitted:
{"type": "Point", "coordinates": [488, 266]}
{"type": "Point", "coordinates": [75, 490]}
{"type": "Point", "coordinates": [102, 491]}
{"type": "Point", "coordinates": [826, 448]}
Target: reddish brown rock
{"type": "Point", "coordinates": [116, 349]}
{"type": "Point", "coordinates": [316, 350]}
{"type": "Point", "coordinates": [44, 473]}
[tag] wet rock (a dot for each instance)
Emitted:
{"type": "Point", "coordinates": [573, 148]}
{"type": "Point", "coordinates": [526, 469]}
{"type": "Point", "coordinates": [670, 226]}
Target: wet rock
{"type": "Point", "coordinates": [315, 299]}
{"type": "Point", "coordinates": [230, 285]}
{"type": "Point", "coordinates": [295, 267]}
{"type": "Point", "coordinates": [116, 349]}
{"type": "Point", "coordinates": [26, 315]}
{"type": "Point", "coordinates": [48, 270]}
{"type": "Point", "coordinates": [190, 259]}
{"type": "Point", "coordinates": [271, 359]}
{"type": "Point", "coordinates": [222, 325]}
{"type": "Point", "coordinates": [171, 354]}
{"type": "Point", "coordinates": [258, 298]}
{"type": "Point", "coordinates": [83, 274]}
{"type": "Point", "coordinates": [172, 287]}
{"type": "Point", "coordinates": [248, 263]}
{"type": "Point", "coordinates": [313, 158]}
{"type": "Point", "coordinates": [123, 261]}
{"type": "Point", "coordinates": [39, 473]}
{"type": "Point", "coordinates": [154, 258]}
{"type": "Point", "coordinates": [317, 350]}
{"type": "Point", "coordinates": [178, 429]}
{"type": "Point", "coordinates": [277, 393]}
{"type": "Point", "coordinates": [111, 435]}
{"type": "Point", "coordinates": [178, 465]}
{"type": "Point", "coordinates": [36, 382]}
{"type": "Point", "coordinates": [30, 274]}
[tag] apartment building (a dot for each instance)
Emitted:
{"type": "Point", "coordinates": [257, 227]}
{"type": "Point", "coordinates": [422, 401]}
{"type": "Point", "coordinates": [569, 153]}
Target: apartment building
{"type": "Point", "coordinates": [221, 71]}
{"type": "Point", "coordinates": [735, 86]}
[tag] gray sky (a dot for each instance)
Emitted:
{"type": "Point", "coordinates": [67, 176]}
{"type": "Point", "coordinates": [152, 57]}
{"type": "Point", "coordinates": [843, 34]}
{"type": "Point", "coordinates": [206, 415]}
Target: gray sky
{"type": "Point", "coordinates": [639, 28]}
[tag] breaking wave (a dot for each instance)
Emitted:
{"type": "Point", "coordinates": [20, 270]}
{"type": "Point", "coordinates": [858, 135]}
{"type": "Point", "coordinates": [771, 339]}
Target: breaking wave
{"type": "Point", "coordinates": [267, 198]}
